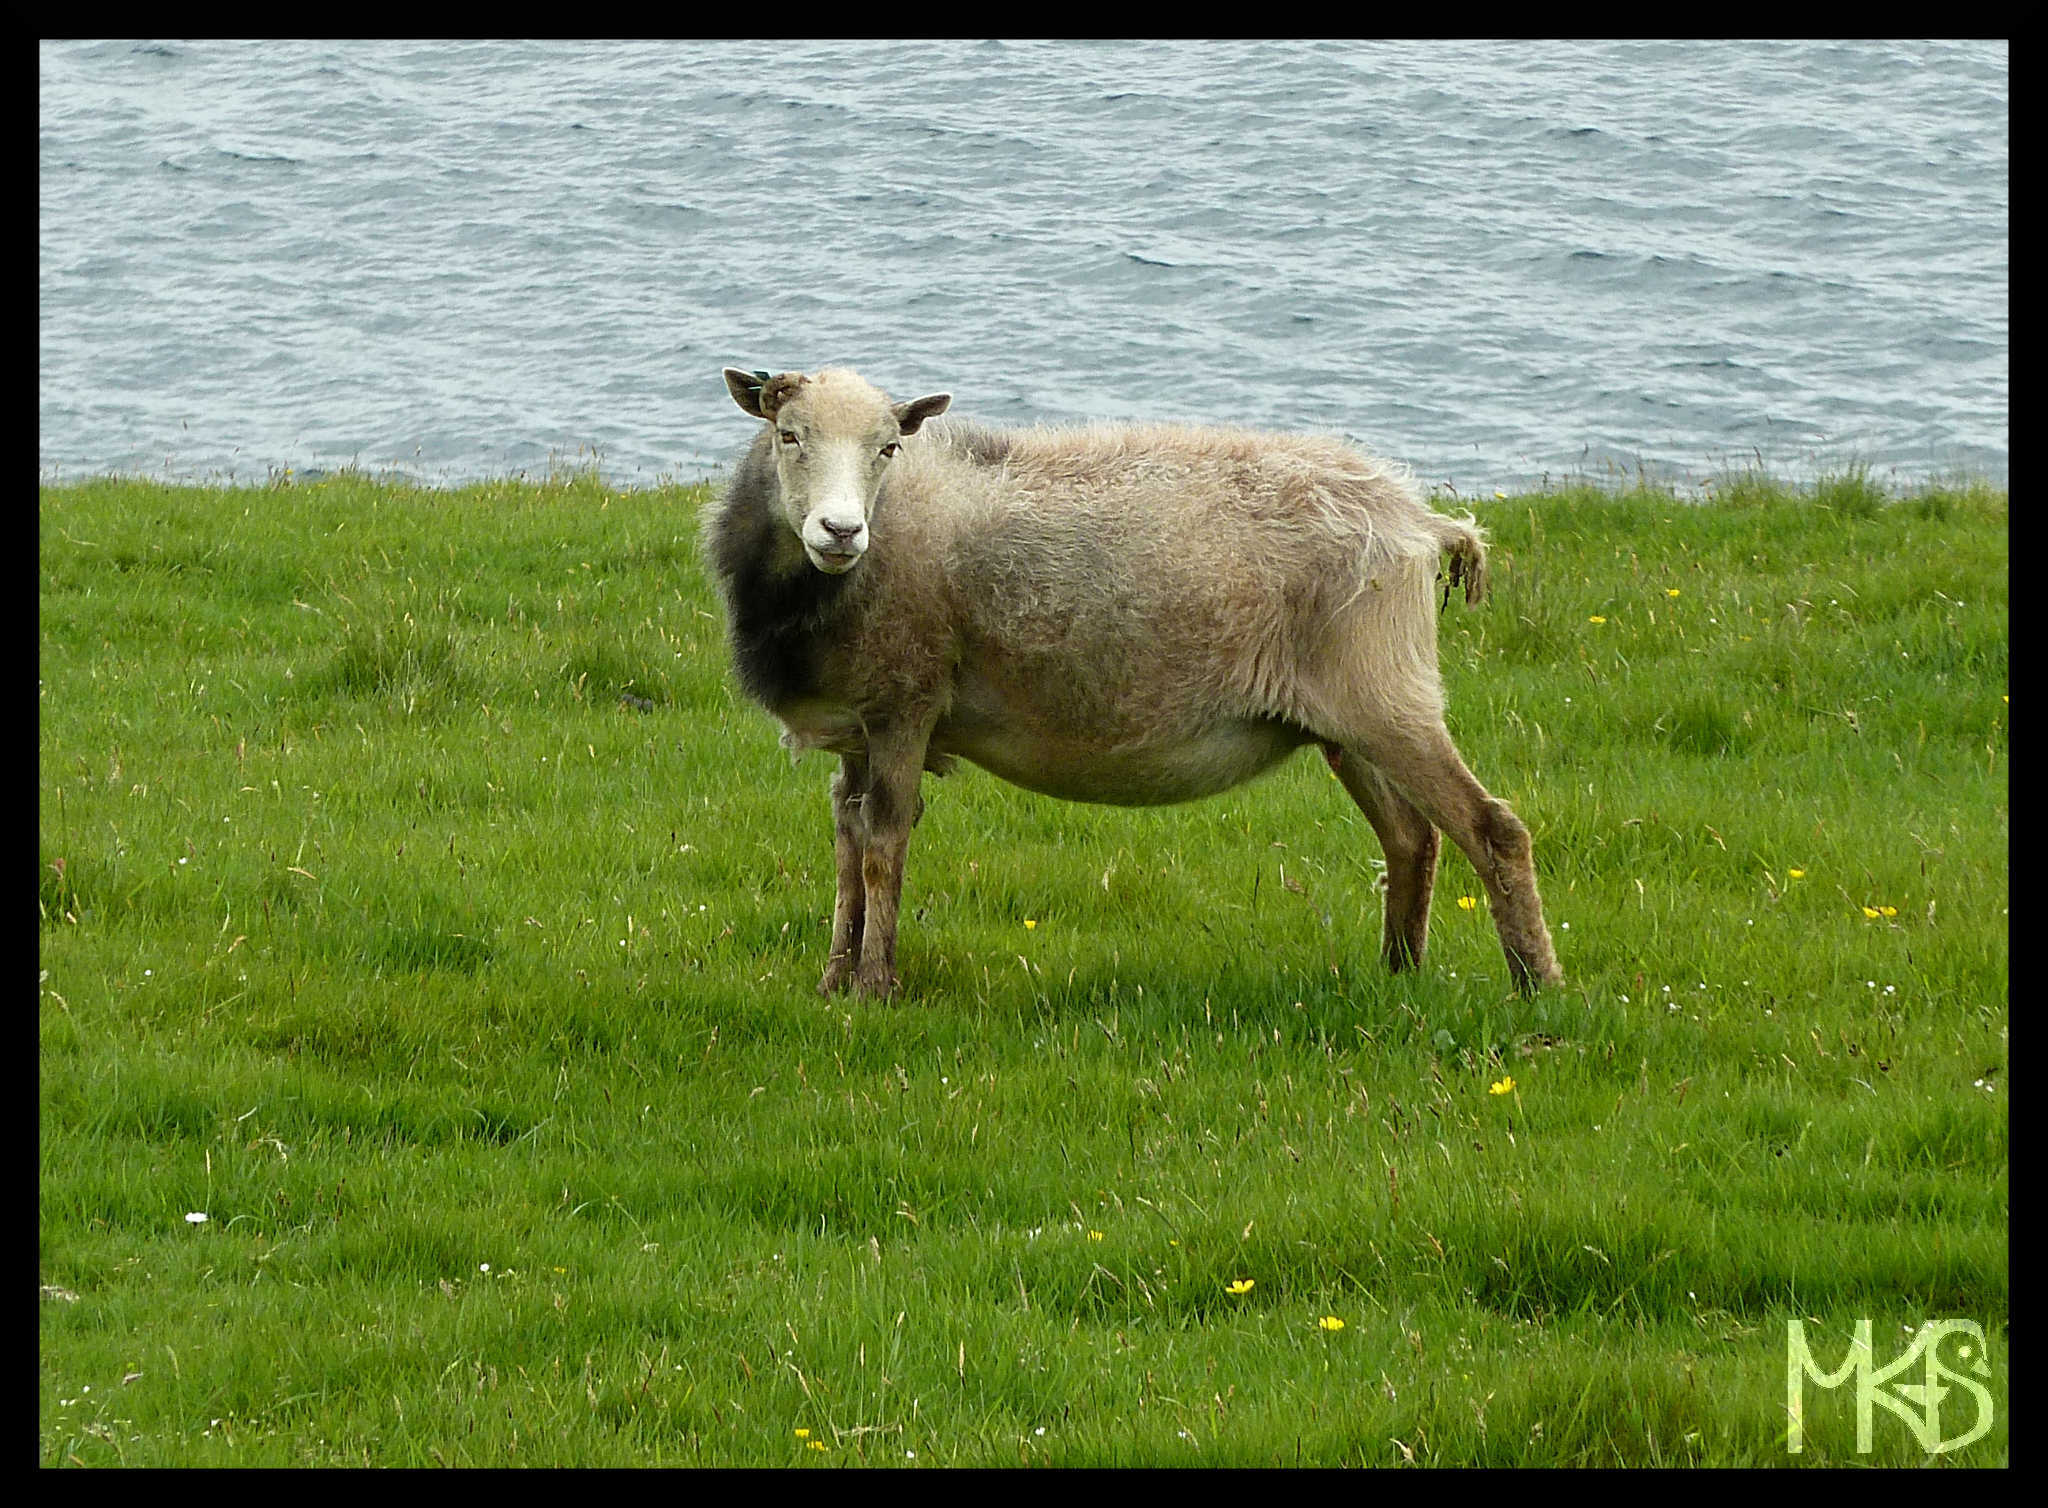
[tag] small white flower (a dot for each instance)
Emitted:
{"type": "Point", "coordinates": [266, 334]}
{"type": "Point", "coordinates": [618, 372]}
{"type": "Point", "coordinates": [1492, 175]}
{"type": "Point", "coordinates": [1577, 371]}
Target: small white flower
{"type": "Point", "coordinates": [483, 1267]}
{"type": "Point", "coordinates": [196, 1217]}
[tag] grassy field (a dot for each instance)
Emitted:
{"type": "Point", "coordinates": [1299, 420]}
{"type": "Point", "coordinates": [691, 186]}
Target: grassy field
{"type": "Point", "coordinates": [421, 908]}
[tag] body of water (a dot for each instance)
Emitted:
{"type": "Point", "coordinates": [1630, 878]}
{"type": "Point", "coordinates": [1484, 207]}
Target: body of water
{"type": "Point", "coordinates": [1494, 261]}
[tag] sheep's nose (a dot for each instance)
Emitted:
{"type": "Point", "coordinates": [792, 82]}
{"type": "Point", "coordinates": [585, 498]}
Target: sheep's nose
{"type": "Point", "coordinates": [844, 533]}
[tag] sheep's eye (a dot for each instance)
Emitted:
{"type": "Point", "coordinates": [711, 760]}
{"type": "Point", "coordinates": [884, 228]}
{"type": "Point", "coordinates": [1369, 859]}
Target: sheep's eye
{"type": "Point", "coordinates": [890, 450]}
{"type": "Point", "coordinates": [787, 437]}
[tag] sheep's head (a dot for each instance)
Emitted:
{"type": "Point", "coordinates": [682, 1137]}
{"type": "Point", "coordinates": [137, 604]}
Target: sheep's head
{"type": "Point", "coordinates": [834, 436]}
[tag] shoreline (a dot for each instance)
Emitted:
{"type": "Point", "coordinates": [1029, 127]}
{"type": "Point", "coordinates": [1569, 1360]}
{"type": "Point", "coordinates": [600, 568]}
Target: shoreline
{"type": "Point", "coordinates": [1742, 485]}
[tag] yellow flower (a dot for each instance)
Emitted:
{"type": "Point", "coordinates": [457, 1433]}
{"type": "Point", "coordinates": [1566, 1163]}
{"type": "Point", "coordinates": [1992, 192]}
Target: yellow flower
{"type": "Point", "coordinates": [1331, 1322]}
{"type": "Point", "coordinates": [1797, 874]}
{"type": "Point", "coordinates": [1671, 591]}
{"type": "Point", "coordinates": [1030, 925]}
{"type": "Point", "coordinates": [1498, 493]}
{"type": "Point", "coordinates": [1871, 913]}
{"type": "Point", "coordinates": [1241, 1286]}
{"type": "Point", "coordinates": [1095, 1235]}
{"type": "Point", "coordinates": [1887, 910]}
{"type": "Point", "coordinates": [1466, 902]}
{"type": "Point", "coordinates": [1596, 618]}
{"type": "Point", "coordinates": [1504, 1086]}
{"type": "Point", "coordinates": [803, 1434]}
{"type": "Point", "coordinates": [816, 1445]}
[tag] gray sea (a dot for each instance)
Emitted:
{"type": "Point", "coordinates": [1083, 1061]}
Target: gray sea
{"type": "Point", "coordinates": [1498, 262]}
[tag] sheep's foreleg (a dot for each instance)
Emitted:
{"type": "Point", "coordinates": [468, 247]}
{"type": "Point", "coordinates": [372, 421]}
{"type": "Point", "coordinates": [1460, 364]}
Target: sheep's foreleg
{"type": "Point", "coordinates": [849, 843]}
{"type": "Point", "coordinates": [888, 811]}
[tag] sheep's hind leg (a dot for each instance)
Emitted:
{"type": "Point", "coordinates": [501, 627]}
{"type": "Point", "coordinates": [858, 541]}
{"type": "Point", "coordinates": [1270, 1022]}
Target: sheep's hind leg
{"type": "Point", "coordinates": [1421, 761]}
{"type": "Point", "coordinates": [1410, 845]}
{"type": "Point", "coordinates": [849, 843]}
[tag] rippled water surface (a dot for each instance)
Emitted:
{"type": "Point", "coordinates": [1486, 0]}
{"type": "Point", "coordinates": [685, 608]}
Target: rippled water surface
{"type": "Point", "coordinates": [1493, 261]}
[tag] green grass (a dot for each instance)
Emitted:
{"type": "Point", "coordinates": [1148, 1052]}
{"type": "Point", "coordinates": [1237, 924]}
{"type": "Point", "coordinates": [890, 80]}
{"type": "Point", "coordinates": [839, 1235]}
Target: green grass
{"type": "Point", "coordinates": [419, 903]}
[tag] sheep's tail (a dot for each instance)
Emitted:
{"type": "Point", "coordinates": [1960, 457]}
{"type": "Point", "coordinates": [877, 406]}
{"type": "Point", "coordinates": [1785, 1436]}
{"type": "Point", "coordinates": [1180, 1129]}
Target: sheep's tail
{"type": "Point", "coordinates": [1464, 547]}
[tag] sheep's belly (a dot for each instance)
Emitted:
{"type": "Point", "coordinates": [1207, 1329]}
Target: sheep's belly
{"type": "Point", "coordinates": [1148, 774]}
{"type": "Point", "coordinates": [812, 724]}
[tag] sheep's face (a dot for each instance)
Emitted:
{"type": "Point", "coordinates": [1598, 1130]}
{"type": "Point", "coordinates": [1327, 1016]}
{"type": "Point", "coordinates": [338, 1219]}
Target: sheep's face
{"type": "Point", "coordinates": [833, 438]}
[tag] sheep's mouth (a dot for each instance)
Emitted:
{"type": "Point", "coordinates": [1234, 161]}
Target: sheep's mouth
{"type": "Point", "coordinates": [833, 562]}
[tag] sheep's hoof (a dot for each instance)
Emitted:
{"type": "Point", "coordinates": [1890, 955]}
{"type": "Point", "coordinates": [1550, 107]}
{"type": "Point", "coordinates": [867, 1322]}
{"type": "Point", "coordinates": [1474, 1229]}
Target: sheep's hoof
{"type": "Point", "coordinates": [876, 984]}
{"type": "Point", "coordinates": [1528, 980]}
{"type": "Point", "coordinates": [1400, 957]}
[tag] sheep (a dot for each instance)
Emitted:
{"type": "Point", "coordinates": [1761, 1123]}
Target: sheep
{"type": "Point", "coordinates": [1124, 613]}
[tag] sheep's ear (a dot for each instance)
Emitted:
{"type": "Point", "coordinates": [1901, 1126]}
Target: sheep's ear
{"type": "Point", "coordinates": [745, 388]}
{"type": "Point", "coordinates": [910, 416]}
